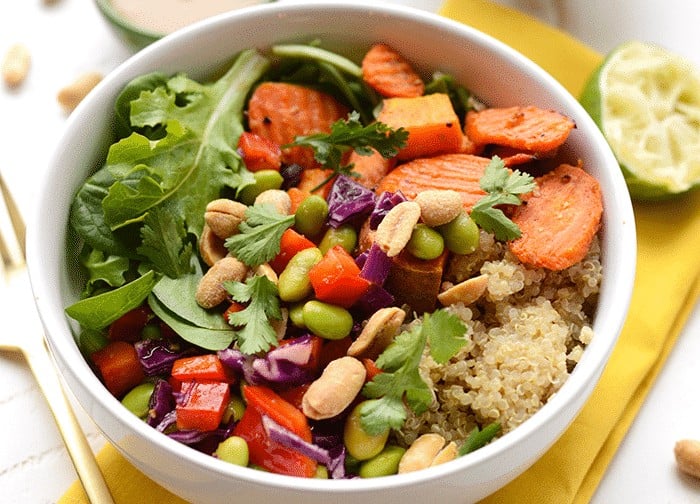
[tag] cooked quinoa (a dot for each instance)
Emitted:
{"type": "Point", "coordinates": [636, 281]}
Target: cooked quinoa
{"type": "Point", "coordinates": [524, 335]}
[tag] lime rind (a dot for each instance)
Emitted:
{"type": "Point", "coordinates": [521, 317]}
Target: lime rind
{"type": "Point", "coordinates": [646, 102]}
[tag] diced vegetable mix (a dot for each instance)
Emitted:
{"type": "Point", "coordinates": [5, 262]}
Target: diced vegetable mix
{"type": "Point", "coordinates": [311, 355]}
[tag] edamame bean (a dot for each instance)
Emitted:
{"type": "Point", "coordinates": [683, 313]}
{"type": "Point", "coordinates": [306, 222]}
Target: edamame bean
{"type": "Point", "coordinates": [321, 472]}
{"type": "Point", "coordinates": [311, 215]}
{"type": "Point", "coordinates": [461, 234]}
{"type": "Point", "coordinates": [233, 450]}
{"type": "Point", "coordinates": [327, 320]}
{"type": "Point", "coordinates": [137, 399]}
{"type": "Point", "coordinates": [359, 444]}
{"type": "Point", "coordinates": [151, 331]}
{"type": "Point", "coordinates": [384, 464]}
{"type": "Point", "coordinates": [296, 315]}
{"type": "Point", "coordinates": [264, 180]}
{"type": "Point", "coordinates": [234, 409]}
{"type": "Point", "coordinates": [345, 236]}
{"type": "Point", "coordinates": [294, 284]}
{"type": "Point", "coordinates": [425, 243]}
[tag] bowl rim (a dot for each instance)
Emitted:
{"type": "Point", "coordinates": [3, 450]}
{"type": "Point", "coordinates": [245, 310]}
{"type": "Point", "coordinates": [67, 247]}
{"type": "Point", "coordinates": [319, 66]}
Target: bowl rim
{"type": "Point", "coordinates": [52, 317]}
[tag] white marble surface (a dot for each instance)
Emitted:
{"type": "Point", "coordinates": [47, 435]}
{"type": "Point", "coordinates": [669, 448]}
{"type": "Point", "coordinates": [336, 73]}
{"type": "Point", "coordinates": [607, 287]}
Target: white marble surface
{"type": "Point", "coordinates": [67, 37]}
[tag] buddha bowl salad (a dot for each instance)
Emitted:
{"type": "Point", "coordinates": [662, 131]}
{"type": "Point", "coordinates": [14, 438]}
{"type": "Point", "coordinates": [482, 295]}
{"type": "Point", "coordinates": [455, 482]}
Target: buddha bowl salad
{"type": "Point", "coordinates": [323, 268]}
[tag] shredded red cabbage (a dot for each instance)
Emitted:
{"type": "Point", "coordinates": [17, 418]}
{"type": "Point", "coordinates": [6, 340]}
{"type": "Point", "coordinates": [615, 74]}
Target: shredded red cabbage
{"type": "Point", "coordinates": [157, 356]}
{"type": "Point", "coordinates": [375, 298]}
{"type": "Point", "coordinates": [348, 201]}
{"type": "Point", "coordinates": [161, 402]}
{"type": "Point", "coordinates": [386, 201]}
{"type": "Point", "coordinates": [281, 365]}
{"type": "Point", "coordinates": [376, 266]}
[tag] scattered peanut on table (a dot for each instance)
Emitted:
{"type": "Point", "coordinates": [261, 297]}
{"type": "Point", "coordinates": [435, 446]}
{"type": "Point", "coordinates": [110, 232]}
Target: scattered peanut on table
{"type": "Point", "coordinates": [71, 95]}
{"type": "Point", "coordinates": [15, 65]}
{"type": "Point", "coordinates": [687, 452]}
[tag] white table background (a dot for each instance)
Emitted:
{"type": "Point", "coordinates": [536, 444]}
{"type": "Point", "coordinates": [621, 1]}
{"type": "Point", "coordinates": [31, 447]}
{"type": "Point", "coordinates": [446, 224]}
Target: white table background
{"type": "Point", "coordinates": [69, 37]}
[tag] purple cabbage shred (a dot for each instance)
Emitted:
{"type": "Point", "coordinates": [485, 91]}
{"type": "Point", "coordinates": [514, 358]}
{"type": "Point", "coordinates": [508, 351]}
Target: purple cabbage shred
{"type": "Point", "coordinates": [386, 201]}
{"type": "Point", "coordinates": [348, 201]}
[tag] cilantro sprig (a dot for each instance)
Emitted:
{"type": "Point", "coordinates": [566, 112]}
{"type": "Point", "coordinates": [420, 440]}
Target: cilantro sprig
{"type": "Point", "coordinates": [256, 333]}
{"type": "Point", "coordinates": [503, 187]}
{"type": "Point", "coordinates": [259, 235]}
{"type": "Point", "coordinates": [347, 134]}
{"type": "Point", "coordinates": [400, 382]}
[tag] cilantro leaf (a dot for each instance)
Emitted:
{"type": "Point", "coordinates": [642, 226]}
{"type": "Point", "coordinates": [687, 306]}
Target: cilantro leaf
{"type": "Point", "coordinates": [164, 243]}
{"type": "Point", "coordinates": [256, 333]}
{"type": "Point", "coordinates": [502, 188]}
{"type": "Point", "coordinates": [259, 235]}
{"type": "Point", "coordinates": [446, 335]}
{"type": "Point", "coordinates": [401, 378]}
{"type": "Point", "coordinates": [345, 135]}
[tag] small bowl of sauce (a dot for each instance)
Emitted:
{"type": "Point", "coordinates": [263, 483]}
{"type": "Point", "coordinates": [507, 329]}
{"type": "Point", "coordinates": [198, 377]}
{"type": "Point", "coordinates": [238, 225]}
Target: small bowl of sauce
{"type": "Point", "coordinates": [141, 22]}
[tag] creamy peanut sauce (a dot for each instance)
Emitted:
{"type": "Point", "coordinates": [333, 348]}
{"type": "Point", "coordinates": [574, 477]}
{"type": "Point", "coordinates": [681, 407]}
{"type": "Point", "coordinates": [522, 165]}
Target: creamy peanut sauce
{"type": "Point", "coordinates": [165, 16]}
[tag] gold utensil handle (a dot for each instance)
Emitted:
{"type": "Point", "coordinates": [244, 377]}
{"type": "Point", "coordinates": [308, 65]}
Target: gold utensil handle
{"type": "Point", "coordinates": [47, 376]}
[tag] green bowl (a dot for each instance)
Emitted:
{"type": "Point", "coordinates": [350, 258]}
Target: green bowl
{"type": "Point", "coordinates": [135, 36]}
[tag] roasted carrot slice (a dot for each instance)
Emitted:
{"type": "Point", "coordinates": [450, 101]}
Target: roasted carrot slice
{"type": "Point", "coordinates": [432, 124]}
{"type": "Point", "coordinates": [371, 169]}
{"type": "Point", "coordinates": [311, 178]}
{"type": "Point", "coordinates": [459, 172]}
{"type": "Point", "coordinates": [559, 219]}
{"type": "Point", "coordinates": [390, 74]}
{"type": "Point", "coordinates": [281, 112]}
{"type": "Point", "coordinates": [524, 128]}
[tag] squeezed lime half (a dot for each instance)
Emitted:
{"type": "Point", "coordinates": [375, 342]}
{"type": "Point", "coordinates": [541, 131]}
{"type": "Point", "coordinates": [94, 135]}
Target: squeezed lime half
{"type": "Point", "coordinates": [646, 101]}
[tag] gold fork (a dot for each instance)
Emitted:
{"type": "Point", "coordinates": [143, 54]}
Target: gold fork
{"type": "Point", "coordinates": [30, 342]}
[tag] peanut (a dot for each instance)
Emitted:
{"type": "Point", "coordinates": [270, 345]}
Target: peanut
{"type": "Point", "coordinates": [335, 389]}
{"type": "Point", "coordinates": [448, 453]}
{"type": "Point", "coordinates": [465, 292]}
{"type": "Point", "coordinates": [15, 65]}
{"type": "Point", "coordinates": [277, 198]}
{"type": "Point", "coordinates": [421, 453]}
{"type": "Point", "coordinates": [266, 270]}
{"type": "Point", "coordinates": [224, 216]}
{"type": "Point", "coordinates": [438, 207]}
{"type": "Point", "coordinates": [211, 291]}
{"type": "Point", "coordinates": [71, 95]}
{"type": "Point", "coordinates": [687, 452]}
{"type": "Point", "coordinates": [378, 333]}
{"type": "Point", "coordinates": [395, 229]}
{"type": "Point", "coordinates": [211, 247]}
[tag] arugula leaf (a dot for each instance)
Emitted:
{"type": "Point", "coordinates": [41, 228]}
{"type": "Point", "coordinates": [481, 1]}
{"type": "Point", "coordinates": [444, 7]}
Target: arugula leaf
{"type": "Point", "coordinates": [99, 311]}
{"type": "Point", "coordinates": [260, 294]}
{"type": "Point", "coordinates": [259, 235]}
{"type": "Point", "coordinates": [401, 378]}
{"type": "Point", "coordinates": [479, 437]}
{"type": "Point", "coordinates": [503, 188]}
{"type": "Point", "coordinates": [345, 135]}
{"type": "Point", "coordinates": [163, 234]}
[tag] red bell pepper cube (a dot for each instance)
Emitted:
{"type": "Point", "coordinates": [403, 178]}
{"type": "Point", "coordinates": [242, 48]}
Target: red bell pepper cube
{"type": "Point", "coordinates": [119, 366]}
{"type": "Point", "coordinates": [259, 153]}
{"type": "Point", "coordinates": [205, 367]}
{"type": "Point", "coordinates": [204, 405]}
{"type": "Point", "coordinates": [290, 243]}
{"type": "Point", "coordinates": [268, 453]}
{"type": "Point", "coordinates": [336, 278]}
{"type": "Point", "coordinates": [128, 327]}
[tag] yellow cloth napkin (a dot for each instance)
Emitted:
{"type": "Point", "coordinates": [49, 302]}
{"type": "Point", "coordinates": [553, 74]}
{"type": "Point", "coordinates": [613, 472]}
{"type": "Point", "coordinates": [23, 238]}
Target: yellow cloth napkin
{"type": "Point", "coordinates": [667, 285]}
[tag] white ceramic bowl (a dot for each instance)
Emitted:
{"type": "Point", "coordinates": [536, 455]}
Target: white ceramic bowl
{"type": "Point", "coordinates": [497, 74]}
